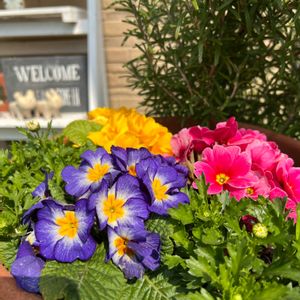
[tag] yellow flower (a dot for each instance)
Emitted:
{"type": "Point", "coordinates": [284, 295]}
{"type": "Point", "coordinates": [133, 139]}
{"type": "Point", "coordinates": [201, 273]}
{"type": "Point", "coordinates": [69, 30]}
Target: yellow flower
{"type": "Point", "coordinates": [101, 115]}
{"type": "Point", "coordinates": [128, 128]}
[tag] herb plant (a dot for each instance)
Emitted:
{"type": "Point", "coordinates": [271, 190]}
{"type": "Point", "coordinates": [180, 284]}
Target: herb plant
{"type": "Point", "coordinates": [209, 60]}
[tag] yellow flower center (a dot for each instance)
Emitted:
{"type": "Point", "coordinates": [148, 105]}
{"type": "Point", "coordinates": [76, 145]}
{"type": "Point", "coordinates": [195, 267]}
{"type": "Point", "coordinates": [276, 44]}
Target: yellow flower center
{"type": "Point", "coordinates": [68, 225]}
{"type": "Point", "coordinates": [159, 190]}
{"type": "Point", "coordinates": [249, 191]}
{"type": "Point", "coordinates": [96, 173]}
{"type": "Point", "coordinates": [121, 245]}
{"type": "Point", "coordinates": [222, 178]}
{"type": "Point", "coordinates": [113, 208]}
{"type": "Point", "coordinates": [131, 170]}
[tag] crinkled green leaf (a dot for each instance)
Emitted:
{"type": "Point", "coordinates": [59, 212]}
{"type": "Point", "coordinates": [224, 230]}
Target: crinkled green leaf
{"type": "Point", "coordinates": [77, 131]}
{"type": "Point", "coordinates": [8, 251]}
{"type": "Point", "coordinates": [95, 279]}
{"type": "Point", "coordinates": [91, 280]}
{"type": "Point", "coordinates": [150, 288]}
{"type": "Point", "coordinates": [165, 229]}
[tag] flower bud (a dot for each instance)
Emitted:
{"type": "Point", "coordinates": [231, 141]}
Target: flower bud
{"type": "Point", "coordinates": [248, 221]}
{"type": "Point", "coordinates": [33, 125]}
{"type": "Point", "coordinates": [260, 230]}
{"type": "Point", "coordinates": [237, 297]}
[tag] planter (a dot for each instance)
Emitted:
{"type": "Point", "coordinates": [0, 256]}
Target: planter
{"type": "Point", "coordinates": [287, 145]}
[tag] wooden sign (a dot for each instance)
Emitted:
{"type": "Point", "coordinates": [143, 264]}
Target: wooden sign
{"type": "Point", "coordinates": [65, 74]}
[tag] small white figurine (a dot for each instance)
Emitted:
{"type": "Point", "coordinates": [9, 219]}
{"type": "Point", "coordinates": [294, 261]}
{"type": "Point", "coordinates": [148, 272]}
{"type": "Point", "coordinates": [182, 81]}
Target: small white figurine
{"type": "Point", "coordinates": [49, 107]}
{"type": "Point", "coordinates": [14, 4]}
{"type": "Point", "coordinates": [23, 105]}
{"type": "Point", "coordinates": [55, 102]}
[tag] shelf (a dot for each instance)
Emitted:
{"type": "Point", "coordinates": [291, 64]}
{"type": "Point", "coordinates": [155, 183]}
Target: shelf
{"type": "Point", "coordinates": [8, 124]}
{"type": "Point", "coordinates": [43, 22]}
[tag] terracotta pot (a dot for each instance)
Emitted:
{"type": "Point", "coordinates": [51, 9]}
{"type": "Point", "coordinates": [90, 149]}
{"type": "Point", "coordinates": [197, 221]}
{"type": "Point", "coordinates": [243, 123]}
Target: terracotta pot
{"type": "Point", "coordinates": [9, 289]}
{"type": "Point", "coordinates": [286, 144]}
{"type": "Point", "coordinates": [4, 106]}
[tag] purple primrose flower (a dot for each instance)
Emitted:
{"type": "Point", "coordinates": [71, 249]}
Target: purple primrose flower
{"type": "Point", "coordinates": [95, 167]}
{"type": "Point", "coordinates": [134, 249]}
{"type": "Point", "coordinates": [122, 204]}
{"type": "Point", "coordinates": [163, 182]}
{"type": "Point", "coordinates": [126, 159]}
{"type": "Point", "coordinates": [42, 190]}
{"type": "Point", "coordinates": [63, 232]}
{"type": "Point", "coordinates": [27, 268]}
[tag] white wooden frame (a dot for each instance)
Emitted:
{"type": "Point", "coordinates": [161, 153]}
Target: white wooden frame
{"type": "Point", "coordinates": [60, 21]}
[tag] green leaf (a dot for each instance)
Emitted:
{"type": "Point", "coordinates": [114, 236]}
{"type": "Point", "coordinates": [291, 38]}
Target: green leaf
{"type": "Point", "coordinates": [182, 213]}
{"type": "Point", "coordinates": [195, 4]}
{"type": "Point", "coordinates": [150, 288]}
{"type": "Point", "coordinates": [269, 292]}
{"type": "Point", "coordinates": [212, 236]}
{"type": "Point", "coordinates": [8, 251]}
{"type": "Point", "coordinates": [298, 223]}
{"type": "Point", "coordinates": [205, 295]}
{"type": "Point", "coordinates": [200, 268]}
{"type": "Point", "coordinates": [95, 279]}
{"type": "Point", "coordinates": [77, 131]}
{"type": "Point", "coordinates": [290, 270]}
{"type": "Point", "coordinates": [180, 237]}
{"type": "Point", "coordinates": [91, 280]}
{"type": "Point", "coordinates": [165, 229]}
{"type": "Point", "coordinates": [173, 261]}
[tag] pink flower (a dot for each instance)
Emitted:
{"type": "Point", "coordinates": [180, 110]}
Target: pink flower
{"type": "Point", "coordinates": [264, 155]}
{"type": "Point", "coordinates": [260, 188]}
{"type": "Point", "coordinates": [181, 144]}
{"type": "Point", "coordinates": [287, 184]}
{"type": "Point", "coordinates": [202, 137]}
{"type": "Point", "coordinates": [288, 178]}
{"type": "Point", "coordinates": [195, 138]}
{"type": "Point", "coordinates": [225, 168]}
{"type": "Point", "coordinates": [225, 130]}
{"type": "Point", "coordinates": [245, 137]}
{"type": "Point", "coordinates": [291, 205]}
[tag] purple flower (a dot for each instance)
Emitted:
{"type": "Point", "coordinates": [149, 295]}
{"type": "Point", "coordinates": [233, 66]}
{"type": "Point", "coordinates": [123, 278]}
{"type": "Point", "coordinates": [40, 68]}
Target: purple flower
{"type": "Point", "coordinates": [126, 159]}
{"type": "Point", "coordinates": [134, 249]}
{"type": "Point", "coordinates": [95, 167]}
{"type": "Point", "coordinates": [27, 268]}
{"type": "Point", "coordinates": [122, 204]}
{"type": "Point", "coordinates": [163, 182]}
{"type": "Point", "coordinates": [30, 214]}
{"type": "Point", "coordinates": [159, 161]}
{"type": "Point", "coordinates": [42, 190]}
{"type": "Point", "coordinates": [63, 232]}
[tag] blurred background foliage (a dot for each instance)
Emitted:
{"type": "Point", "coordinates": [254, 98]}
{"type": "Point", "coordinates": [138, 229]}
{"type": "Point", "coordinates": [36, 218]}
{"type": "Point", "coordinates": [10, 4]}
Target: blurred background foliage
{"type": "Point", "coordinates": [213, 59]}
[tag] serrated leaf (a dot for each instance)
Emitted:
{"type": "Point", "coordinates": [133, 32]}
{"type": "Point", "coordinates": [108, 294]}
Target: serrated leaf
{"type": "Point", "coordinates": [56, 191]}
{"type": "Point", "coordinates": [151, 288]}
{"type": "Point", "coordinates": [212, 236]}
{"type": "Point", "coordinates": [165, 229]}
{"type": "Point", "coordinates": [77, 131]}
{"type": "Point", "coordinates": [95, 279]}
{"type": "Point", "coordinates": [8, 251]}
{"type": "Point", "coordinates": [290, 270]}
{"type": "Point", "coordinates": [200, 267]}
{"type": "Point", "coordinates": [182, 213]}
{"type": "Point", "coordinates": [91, 280]}
{"type": "Point", "coordinates": [180, 237]}
{"type": "Point", "coordinates": [173, 260]}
